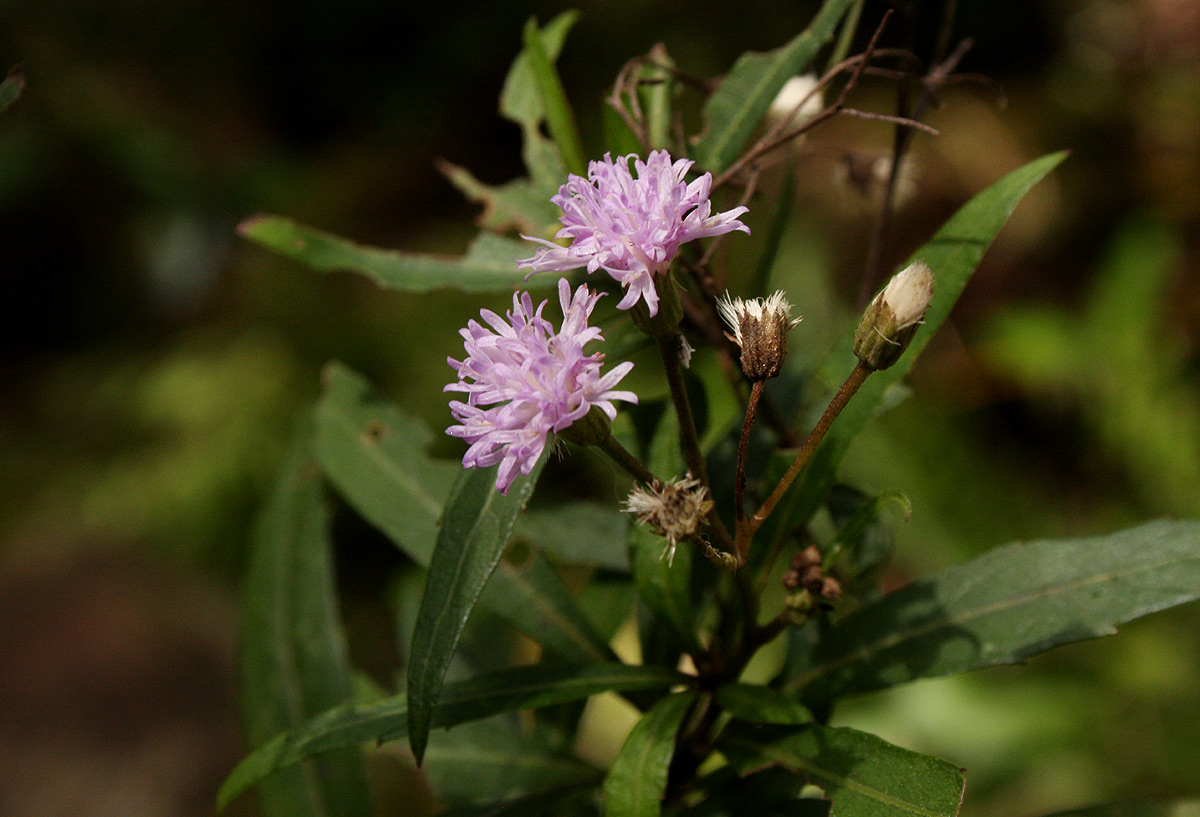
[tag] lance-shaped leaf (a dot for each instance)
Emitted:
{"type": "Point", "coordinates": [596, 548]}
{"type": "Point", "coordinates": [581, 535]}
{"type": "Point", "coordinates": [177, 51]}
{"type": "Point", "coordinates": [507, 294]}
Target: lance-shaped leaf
{"type": "Point", "coordinates": [863, 775]}
{"type": "Point", "coordinates": [637, 780]}
{"type": "Point", "coordinates": [292, 653]}
{"type": "Point", "coordinates": [491, 760]}
{"type": "Point", "coordinates": [375, 455]}
{"type": "Point", "coordinates": [759, 704]}
{"type": "Point", "coordinates": [509, 690]}
{"type": "Point", "coordinates": [560, 119]}
{"type": "Point", "coordinates": [521, 102]}
{"type": "Point", "coordinates": [1009, 604]}
{"type": "Point", "coordinates": [490, 264]}
{"type": "Point", "coordinates": [475, 528]}
{"type": "Point", "coordinates": [736, 108]}
{"type": "Point", "coordinates": [953, 254]}
{"type": "Point", "coordinates": [579, 533]}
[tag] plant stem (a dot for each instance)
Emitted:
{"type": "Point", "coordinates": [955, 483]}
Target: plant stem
{"type": "Point", "coordinates": [632, 465]}
{"type": "Point", "coordinates": [747, 530]}
{"type": "Point", "coordinates": [693, 455]}
{"type": "Point", "coordinates": [739, 484]}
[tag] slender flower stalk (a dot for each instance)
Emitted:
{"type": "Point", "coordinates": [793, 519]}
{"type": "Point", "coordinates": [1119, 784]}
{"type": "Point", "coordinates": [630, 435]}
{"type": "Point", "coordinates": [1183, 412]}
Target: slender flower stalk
{"type": "Point", "coordinates": [524, 382]}
{"type": "Point", "coordinates": [631, 224]}
{"type": "Point", "coordinates": [748, 527]}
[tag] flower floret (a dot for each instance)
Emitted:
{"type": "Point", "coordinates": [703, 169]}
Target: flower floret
{"type": "Point", "coordinates": [525, 381]}
{"type": "Point", "coordinates": [631, 224]}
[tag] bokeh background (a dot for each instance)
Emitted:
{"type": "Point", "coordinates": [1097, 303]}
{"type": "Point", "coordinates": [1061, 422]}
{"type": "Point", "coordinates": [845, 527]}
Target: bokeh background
{"type": "Point", "coordinates": [152, 361]}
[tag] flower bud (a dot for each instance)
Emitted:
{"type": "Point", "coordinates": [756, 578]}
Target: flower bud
{"type": "Point", "coordinates": [892, 318]}
{"type": "Point", "coordinates": [676, 509]}
{"type": "Point", "coordinates": [760, 327]}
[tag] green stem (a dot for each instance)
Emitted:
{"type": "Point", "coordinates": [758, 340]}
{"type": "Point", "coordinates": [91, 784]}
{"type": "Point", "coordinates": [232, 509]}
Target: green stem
{"type": "Point", "coordinates": [621, 456]}
{"type": "Point", "coordinates": [689, 440]}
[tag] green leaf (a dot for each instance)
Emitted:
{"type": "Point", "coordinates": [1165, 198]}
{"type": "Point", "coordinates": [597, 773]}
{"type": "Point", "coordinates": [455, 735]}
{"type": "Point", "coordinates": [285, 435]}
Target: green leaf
{"type": "Point", "coordinates": [665, 585]}
{"type": "Point", "coordinates": [759, 704]}
{"type": "Point", "coordinates": [560, 119]}
{"type": "Point", "coordinates": [531, 687]}
{"type": "Point", "coordinates": [1011, 603]}
{"type": "Point", "coordinates": [518, 204]}
{"type": "Point", "coordinates": [374, 454]}
{"type": "Point", "coordinates": [734, 110]}
{"type": "Point", "coordinates": [953, 254]}
{"type": "Point", "coordinates": [490, 760]}
{"type": "Point", "coordinates": [864, 776]}
{"type": "Point", "coordinates": [475, 528]}
{"type": "Point", "coordinates": [578, 533]}
{"type": "Point", "coordinates": [12, 87]}
{"type": "Point", "coordinates": [637, 780]}
{"type": "Point", "coordinates": [521, 98]}
{"type": "Point", "coordinates": [490, 264]}
{"type": "Point", "coordinates": [292, 654]}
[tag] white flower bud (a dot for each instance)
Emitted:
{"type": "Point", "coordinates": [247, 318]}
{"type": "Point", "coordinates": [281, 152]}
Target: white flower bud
{"type": "Point", "coordinates": [892, 318]}
{"type": "Point", "coordinates": [797, 100]}
{"type": "Point", "coordinates": [760, 327]}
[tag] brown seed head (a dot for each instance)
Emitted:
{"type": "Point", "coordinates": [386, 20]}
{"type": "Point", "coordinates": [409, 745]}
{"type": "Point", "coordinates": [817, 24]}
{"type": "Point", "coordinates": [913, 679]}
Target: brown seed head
{"type": "Point", "coordinates": [760, 327]}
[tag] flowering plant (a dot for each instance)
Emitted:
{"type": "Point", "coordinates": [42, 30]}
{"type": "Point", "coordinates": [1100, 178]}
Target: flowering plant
{"type": "Point", "coordinates": [733, 664]}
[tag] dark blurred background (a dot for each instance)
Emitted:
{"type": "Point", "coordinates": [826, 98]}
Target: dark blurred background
{"type": "Point", "coordinates": [153, 360]}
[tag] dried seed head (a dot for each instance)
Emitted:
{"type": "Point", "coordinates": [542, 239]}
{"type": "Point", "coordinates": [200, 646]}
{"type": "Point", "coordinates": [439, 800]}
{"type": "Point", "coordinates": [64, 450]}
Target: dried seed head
{"type": "Point", "coordinates": [760, 327]}
{"type": "Point", "coordinates": [676, 509]}
{"type": "Point", "coordinates": [892, 318]}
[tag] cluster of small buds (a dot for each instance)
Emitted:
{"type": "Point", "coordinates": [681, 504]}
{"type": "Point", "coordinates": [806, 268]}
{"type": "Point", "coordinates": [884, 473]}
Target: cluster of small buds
{"type": "Point", "coordinates": [676, 509]}
{"type": "Point", "coordinates": [893, 317]}
{"type": "Point", "coordinates": [806, 572]}
{"type": "Point", "coordinates": [760, 328]}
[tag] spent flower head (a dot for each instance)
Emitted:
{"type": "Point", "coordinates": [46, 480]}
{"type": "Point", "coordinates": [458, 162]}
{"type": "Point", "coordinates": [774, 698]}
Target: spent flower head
{"type": "Point", "coordinates": [893, 317]}
{"type": "Point", "coordinates": [760, 327]}
{"type": "Point", "coordinates": [631, 224]}
{"type": "Point", "coordinates": [524, 381]}
{"type": "Point", "coordinates": [675, 509]}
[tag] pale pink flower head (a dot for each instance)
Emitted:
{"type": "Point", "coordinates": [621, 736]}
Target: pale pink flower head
{"type": "Point", "coordinates": [524, 381]}
{"type": "Point", "coordinates": [631, 224]}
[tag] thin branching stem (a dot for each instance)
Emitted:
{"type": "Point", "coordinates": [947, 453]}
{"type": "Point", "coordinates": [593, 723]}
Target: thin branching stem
{"type": "Point", "coordinates": [747, 530]}
{"type": "Point", "coordinates": [631, 464]}
{"type": "Point", "coordinates": [739, 484]}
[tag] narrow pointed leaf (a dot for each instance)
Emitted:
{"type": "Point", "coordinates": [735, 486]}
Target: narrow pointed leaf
{"type": "Point", "coordinates": [490, 264]}
{"type": "Point", "coordinates": [292, 653]}
{"type": "Point", "coordinates": [736, 108]}
{"type": "Point", "coordinates": [953, 254]}
{"type": "Point", "coordinates": [375, 455]}
{"type": "Point", "coordinates": [490, 760]}
{"type": "Point", "coordinates": [580, 533]}
{"type": "Point", "coordinates": [475, 528]}
{"type": "Point", "coordinates": [560, 119]}
{"type": "Point", "coordinates": [637, 780]}
{"type": "Point", "coordinates": [1009, 604]}
{"type": "Point", "coordinates": [521, 99]}
{"type": "Point", "coordinates": [532, 687]}
{"type": "Point", "coordinates": [759, 704]}
{"type": "Point", "coordinates": [864, 776]}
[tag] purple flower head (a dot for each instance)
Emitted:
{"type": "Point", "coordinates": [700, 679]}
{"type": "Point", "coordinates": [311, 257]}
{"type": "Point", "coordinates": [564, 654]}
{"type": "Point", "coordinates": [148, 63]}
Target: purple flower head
{"type": "Point", "coordinates": [523, 382]}
{"type": "Point", "coordinates": [631, 226]}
